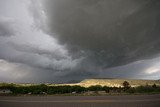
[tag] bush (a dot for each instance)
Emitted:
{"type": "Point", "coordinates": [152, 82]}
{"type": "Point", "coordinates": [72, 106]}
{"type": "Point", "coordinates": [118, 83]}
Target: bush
{"type": "Point", "coordinates": [146, 89]}
{"type": "Point", "coordinates": [95, 88]}
{"type": "Point", "coordinates": [130, 90]}
{"type": "Point", "coordinates": [106, 89]}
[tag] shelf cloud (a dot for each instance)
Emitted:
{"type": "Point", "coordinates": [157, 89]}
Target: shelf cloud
{"type": "Point", "coordinates": [65, 40]}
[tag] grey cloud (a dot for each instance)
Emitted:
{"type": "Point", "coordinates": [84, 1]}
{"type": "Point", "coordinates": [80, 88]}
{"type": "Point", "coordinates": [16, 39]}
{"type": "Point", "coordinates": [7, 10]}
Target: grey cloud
{"type": "Point", "coordinates": [56, 53]}
{"type": "Point", "coordinates": [109, 32]}
{"type": "Point", "coordinates": [37, 11]}
{"type": "Point", "coordinates": [7, 28]}
{"type": "Point", "coordinates": [92, 35]}
{"type": "Point", "coordinates": [15, 72]}
{"type": "Point", "coordinates": [41, 67]}
{"type": "Point", "coordinates": [21, 73]}
{"type": "Point", "coordinates": [142, 69]}
{"type": "Point", "coordinates": [30, 46]}
{"type": "Point", "coordinates": [38, 58]}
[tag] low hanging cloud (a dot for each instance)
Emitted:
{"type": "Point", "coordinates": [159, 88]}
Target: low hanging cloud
{"type": "Point", "coordinates": [22, 73]}
{"type": "Point", "coordinates": [30, 50]}
{"type": "Point", "coordinates": [108, 33]}
{"type": "Point", "coordinates": [12, 71]}
{"type": "Point", "coordinates": [38, 55]}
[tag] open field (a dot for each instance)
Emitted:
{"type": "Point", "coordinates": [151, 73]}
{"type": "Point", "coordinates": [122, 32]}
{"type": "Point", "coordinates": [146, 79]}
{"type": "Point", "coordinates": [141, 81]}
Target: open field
{"type": "Point", "coordinates": [81, 101]}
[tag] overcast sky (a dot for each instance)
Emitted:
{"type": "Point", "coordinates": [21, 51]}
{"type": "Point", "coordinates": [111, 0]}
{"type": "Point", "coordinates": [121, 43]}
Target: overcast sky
{"type": "Point", "coordinates": [59, 41]}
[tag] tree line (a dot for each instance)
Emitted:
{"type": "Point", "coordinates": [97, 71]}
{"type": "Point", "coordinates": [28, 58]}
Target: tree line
{"type": "Point", "coordinates": [44, 89]}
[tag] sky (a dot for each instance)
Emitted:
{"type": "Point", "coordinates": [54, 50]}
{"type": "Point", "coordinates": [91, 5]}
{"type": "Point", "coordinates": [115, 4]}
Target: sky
{"type": "Point", "coordinates": [60, 41]}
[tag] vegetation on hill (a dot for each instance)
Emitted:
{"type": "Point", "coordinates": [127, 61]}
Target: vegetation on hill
{"type": "Point", "coordinates": [44, 89]}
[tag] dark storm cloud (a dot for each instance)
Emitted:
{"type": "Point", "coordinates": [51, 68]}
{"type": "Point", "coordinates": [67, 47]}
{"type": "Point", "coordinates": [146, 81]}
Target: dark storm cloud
{"type": "Point", "coordinates": [68, 40]}
{"type": "Point", "coordinates": [107, 32]}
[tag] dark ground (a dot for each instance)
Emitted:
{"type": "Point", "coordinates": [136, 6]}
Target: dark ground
{"type": "Point", "coordinates": [81, 101]}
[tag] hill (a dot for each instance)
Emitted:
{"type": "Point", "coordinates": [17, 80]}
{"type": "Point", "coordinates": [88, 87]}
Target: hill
{"type": "Point", "coordinates": [116, 82]}
{"type": "Point", "coordinates": [93, 82]}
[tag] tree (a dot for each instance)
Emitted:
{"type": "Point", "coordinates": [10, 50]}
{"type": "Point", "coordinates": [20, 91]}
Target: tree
{"type": "Point", "coordinates": [126, 85]}
{"type": "Point", "coordinates": [154, 86]}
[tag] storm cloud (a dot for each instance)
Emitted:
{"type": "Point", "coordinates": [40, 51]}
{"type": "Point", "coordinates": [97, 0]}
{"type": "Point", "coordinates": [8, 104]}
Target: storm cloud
{"type": "Point", "coordinates": [110, 32]}
{"type": "Point", "coordinates": [65, 40]}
